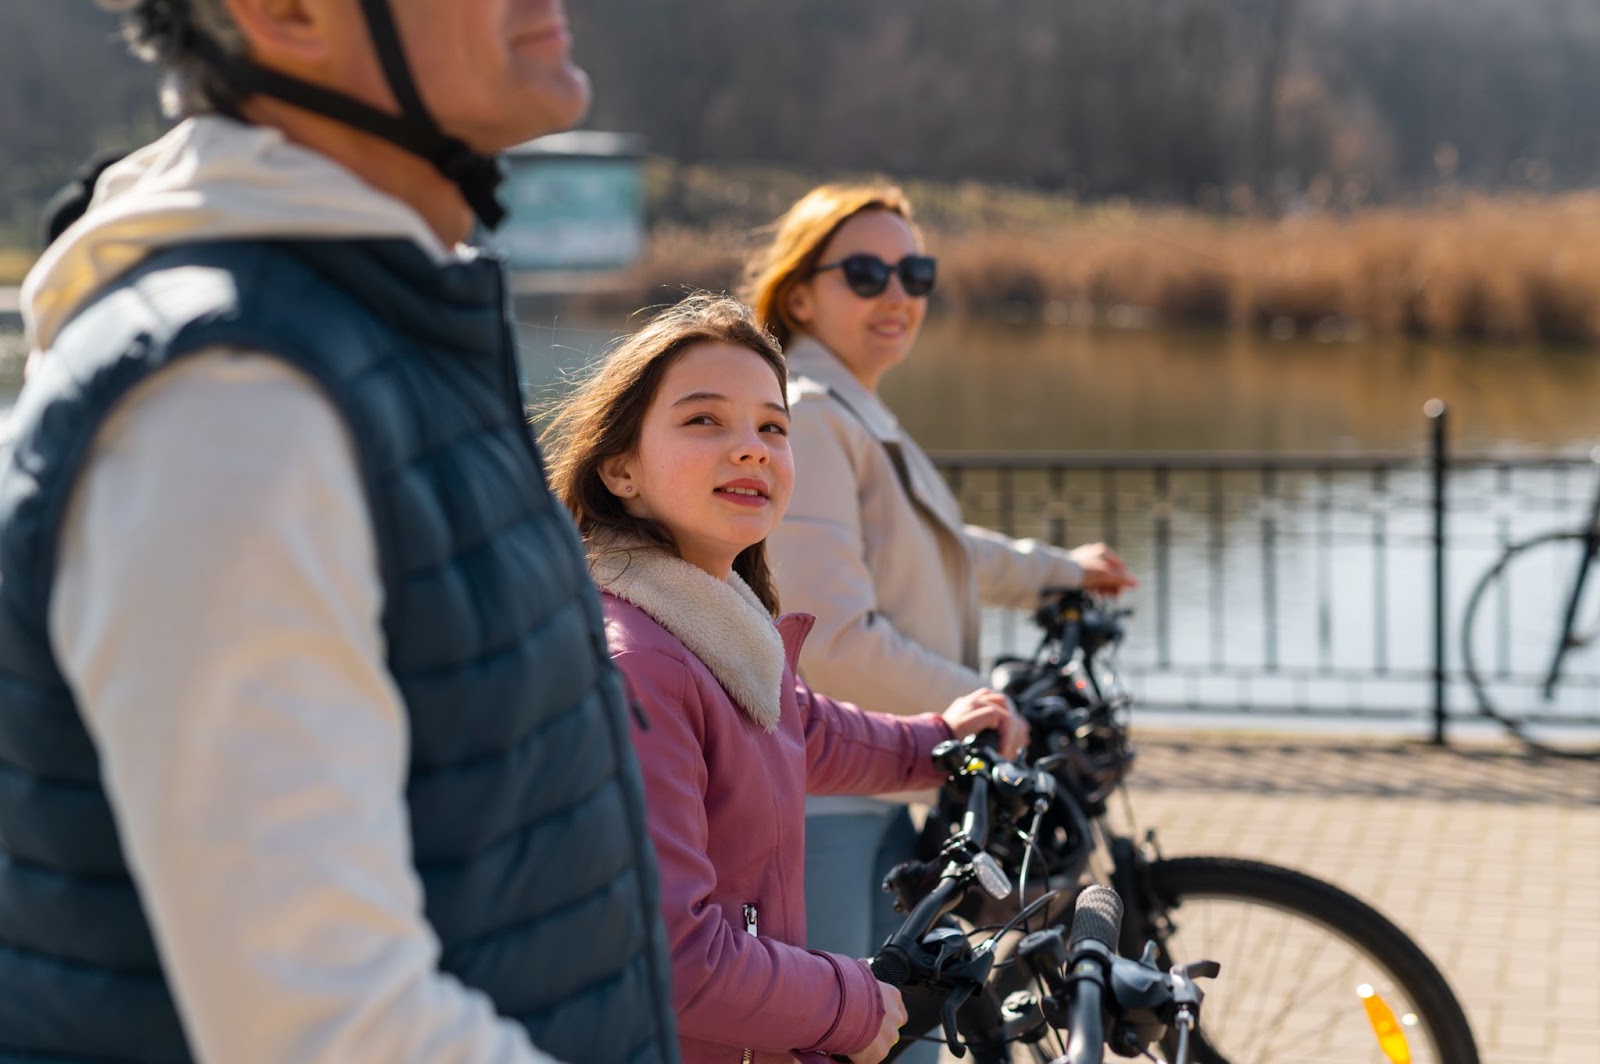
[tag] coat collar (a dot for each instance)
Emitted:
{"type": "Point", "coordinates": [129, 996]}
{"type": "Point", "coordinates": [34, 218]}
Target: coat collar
{"type": "Point", "coordinates": [812, 363]}
{"type": "Point", "coordinates": [722, 624]}
{"type": "Point", "coordinates": [813, 368]}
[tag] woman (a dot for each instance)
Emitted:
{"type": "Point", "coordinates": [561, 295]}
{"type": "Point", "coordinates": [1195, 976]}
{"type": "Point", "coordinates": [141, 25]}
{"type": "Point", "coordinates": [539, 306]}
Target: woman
{"type": "Point", "coordinates": [873, 544]}
{"type": "Point", "coordinates": [674, 460]}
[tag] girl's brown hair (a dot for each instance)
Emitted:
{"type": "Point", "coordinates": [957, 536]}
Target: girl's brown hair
{"type": "Point", "coordinates": [797, 242]}
{"type": "Point", "coordinates": [605, 418]}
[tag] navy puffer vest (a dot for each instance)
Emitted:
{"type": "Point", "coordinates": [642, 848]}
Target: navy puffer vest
{"type": "Point", "coordinates": [526, 806]}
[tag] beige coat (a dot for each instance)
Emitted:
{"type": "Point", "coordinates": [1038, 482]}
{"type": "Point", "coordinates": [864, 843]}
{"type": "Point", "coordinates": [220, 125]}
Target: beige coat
{"type": "Point", "coordinates": [881, 557]}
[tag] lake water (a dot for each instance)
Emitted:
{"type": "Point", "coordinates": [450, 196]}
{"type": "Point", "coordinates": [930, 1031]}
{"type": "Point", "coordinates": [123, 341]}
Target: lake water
{"type": "Point", "coordinates": [992, 388]}
{"type": "Point", "coordinates": [986, 387]}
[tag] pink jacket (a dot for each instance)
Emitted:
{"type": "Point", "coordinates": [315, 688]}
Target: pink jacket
{"type": "Point", "coordinates": [726, 814]}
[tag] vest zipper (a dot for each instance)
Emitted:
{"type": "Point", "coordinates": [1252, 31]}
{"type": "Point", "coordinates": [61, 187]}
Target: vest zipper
{"type": "Point", "coordinates": [750, 928]}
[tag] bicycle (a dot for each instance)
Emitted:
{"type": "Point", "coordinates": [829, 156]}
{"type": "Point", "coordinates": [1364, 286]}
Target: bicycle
{"type": "Point", "coordinates": [1315, 974]}
{"type": "Point", "coordinates": [1485, 626]}
{"type": "Point", "coordinates": [1078, 985]}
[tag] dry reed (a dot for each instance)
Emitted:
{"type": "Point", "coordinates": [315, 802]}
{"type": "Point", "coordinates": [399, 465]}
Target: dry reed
{"type": "Point", "coordinates": [1470, 268]}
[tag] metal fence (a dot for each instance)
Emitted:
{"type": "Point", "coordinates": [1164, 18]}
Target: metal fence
{"type": "Point", "coordinates": [1307, 584]}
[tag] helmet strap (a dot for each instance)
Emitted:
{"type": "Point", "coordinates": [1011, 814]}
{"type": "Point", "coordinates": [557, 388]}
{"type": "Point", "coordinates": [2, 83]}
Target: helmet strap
{"type": "Point", "coordinates": [478, 176]}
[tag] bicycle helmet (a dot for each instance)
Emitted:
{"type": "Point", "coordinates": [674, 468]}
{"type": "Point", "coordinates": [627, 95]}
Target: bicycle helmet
{"type": "Point", "coordinates": [477, 175]}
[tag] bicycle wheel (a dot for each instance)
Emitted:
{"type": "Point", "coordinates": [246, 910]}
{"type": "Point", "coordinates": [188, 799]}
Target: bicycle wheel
{"type": "Point", "coordinates": [1301, 962]}
{"type": "Point", "coordinates": [1509, 637]}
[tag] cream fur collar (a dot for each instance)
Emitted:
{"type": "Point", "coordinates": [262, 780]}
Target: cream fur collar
{"type": "Point", "coordinates": [722, 624]}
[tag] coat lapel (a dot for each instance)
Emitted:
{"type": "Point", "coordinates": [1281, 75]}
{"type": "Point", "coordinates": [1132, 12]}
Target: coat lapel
{"type": "Point", "coordinates": [922, 482]}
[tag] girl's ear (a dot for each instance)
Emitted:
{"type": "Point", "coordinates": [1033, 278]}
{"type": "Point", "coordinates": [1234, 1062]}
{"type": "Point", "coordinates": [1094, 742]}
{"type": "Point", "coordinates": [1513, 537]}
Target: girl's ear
{"type": "Point", "coordinates": [798, 303]}
{"type": "Point", "coordinates": [616, 473]}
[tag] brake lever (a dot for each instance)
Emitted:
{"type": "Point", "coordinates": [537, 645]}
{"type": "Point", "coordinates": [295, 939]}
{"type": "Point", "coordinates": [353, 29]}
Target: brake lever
{"type": "Point", "coordinates": [965, 976]}
{"type": "Point", "coordinates": [952, 1004]}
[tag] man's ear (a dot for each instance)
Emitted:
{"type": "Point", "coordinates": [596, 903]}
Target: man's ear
{"type": "Point", "coordinates": [285, 34]}
{"type": "Point", "coordinates": [616, 473]}
{"type": "Point", "coordinates": [798, 303]}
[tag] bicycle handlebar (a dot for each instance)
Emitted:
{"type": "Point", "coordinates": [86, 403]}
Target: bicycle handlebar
{"type": "Point", "coordinates": [938, 969]}
{"type": "Point", "coordinates": [1089, 986]}
{"type": "Point", "coordinates": [1096, 924]}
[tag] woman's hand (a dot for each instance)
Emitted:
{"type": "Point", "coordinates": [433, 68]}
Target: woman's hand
{"type": "Point", "coordinates": [894, 1017]}
{"type": "Point", "coordinates": [983, 708]}
{"type": "Point", "coordinates": [1102, 569]}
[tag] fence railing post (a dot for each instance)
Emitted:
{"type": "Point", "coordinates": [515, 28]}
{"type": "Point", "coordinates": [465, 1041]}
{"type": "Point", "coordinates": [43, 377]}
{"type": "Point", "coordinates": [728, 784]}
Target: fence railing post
{"type": "Point", "coordinates": [1438, 413]}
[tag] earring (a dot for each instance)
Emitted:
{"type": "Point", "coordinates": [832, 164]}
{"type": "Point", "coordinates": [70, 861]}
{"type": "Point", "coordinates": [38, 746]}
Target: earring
{"type": "Point", "coordinates": [627, 489]}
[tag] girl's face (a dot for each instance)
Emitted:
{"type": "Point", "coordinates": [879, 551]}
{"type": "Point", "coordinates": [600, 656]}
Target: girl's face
{"type": "Point", "coordinates": [869, 335]}
{"type": "Point", "coordinates": [713, 465]}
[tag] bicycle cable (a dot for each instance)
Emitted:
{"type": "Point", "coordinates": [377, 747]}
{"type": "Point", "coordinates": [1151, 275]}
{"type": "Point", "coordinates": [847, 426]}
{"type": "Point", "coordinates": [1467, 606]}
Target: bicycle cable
{"type": "Point", "coordinates": [1030, 844]}
{"type": "Point", "coordinates": [1027, 913]}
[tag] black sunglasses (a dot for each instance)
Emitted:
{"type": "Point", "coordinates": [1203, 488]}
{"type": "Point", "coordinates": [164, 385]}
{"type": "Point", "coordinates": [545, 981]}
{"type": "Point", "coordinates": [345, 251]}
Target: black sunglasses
{"type": "Point", "coordinates": [868, 275]}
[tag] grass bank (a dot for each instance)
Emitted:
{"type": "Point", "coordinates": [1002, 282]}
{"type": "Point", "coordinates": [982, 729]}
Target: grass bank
{"type": "Point", "coordinates": [1461, 268]}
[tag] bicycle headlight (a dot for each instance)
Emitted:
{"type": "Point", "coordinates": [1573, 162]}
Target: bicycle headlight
{"type": "Point", "coordinates": [991, 877]}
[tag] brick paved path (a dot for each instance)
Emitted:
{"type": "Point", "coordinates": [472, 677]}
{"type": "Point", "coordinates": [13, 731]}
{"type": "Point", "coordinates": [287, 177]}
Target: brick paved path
{"type": "Point", "coordinates": [1490, 859]}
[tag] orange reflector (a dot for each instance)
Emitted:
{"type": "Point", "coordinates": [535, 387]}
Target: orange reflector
{"type": "Point", "coordinates": [1391, 1038]}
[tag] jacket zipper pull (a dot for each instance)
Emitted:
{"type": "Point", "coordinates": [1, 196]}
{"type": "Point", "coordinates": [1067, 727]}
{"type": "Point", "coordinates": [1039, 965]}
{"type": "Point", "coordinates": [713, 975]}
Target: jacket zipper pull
{"type": "Point", "coordinates": [627, 693]}
{"type": "Point", "coordinates": [749, 1055]}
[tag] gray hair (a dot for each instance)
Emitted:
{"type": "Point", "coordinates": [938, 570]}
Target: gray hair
{"type": "Point", "coordinates": [162, 32]}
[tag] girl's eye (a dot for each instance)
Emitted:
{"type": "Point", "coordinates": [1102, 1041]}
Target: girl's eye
{"type": "Point", "coordinates": [773, 426]}
{"type": "Point", "coordinates": [701, 419]}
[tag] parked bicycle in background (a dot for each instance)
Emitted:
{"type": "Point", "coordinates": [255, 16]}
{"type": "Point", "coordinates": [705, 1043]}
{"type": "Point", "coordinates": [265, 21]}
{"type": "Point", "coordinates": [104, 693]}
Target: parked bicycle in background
{"type": "Point", "coordinates": [1524, 667]}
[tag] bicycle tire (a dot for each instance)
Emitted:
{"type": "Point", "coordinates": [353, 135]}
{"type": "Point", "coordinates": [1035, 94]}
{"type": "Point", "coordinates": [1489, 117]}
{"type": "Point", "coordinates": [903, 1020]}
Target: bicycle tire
{"type": "Point", "coordinates": [1261, 911]}
{"type": "Point", "coordinates": [1505, 578]}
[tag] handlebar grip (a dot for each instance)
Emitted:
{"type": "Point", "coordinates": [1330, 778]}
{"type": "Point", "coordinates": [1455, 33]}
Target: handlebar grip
{"type": "Point", "coordinates": [1096, 923]}
{"type": "Point", "coordinates": [924, 1004]}
{"type": "Point", "coordinates": [1097, 918]}
{"type": "Point", "coordinates": [891, 965]}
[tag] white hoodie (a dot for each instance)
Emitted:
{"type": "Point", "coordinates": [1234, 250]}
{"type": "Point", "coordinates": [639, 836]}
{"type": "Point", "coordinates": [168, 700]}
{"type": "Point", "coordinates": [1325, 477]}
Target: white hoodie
{"type": "Point", "coordinates": [216, 612]}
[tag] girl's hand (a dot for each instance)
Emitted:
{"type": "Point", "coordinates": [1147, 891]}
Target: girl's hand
{"type": "Point", "coordinates": [1102, 569]}
{"type": "Point", "coordinates": [894, 1016]}
{"type": "Point", "coordinates": [983, 708]}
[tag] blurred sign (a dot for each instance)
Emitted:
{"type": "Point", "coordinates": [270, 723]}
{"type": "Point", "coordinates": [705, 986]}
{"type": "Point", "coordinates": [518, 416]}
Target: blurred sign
{"type": "Point", "coordinates": [574, 201]}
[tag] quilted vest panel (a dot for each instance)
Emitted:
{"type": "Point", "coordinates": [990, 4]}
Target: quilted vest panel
{"type": "Point", "coordinates": [526, 805]}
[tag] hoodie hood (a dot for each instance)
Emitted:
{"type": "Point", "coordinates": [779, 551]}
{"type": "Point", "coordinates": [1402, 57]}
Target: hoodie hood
{"type": "Point", "coordinates": [210, 178]}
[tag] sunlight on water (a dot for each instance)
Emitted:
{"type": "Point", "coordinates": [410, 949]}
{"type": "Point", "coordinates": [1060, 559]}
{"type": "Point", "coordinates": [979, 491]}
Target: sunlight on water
{"type": "Point", "coordinates": [981, 386]}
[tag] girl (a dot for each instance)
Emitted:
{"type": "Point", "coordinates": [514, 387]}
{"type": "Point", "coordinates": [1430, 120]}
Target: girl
{"type": "Point", "coordinates": [874, 545]}
{"type": "Point", "coordinates": [674, 459]}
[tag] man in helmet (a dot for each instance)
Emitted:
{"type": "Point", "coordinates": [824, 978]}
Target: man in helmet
{"type": "Point", "coordinates": [309, 745]}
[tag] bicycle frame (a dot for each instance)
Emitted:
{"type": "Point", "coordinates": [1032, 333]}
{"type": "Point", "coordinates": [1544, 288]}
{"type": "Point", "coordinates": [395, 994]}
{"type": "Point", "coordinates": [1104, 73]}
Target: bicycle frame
{"type": "Point", "coordinates": [1565, 641]}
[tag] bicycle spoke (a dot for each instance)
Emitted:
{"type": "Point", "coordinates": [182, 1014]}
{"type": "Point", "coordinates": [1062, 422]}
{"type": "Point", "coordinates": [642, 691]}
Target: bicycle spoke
{"type": "Point", "coordinates": [1290, 987]}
